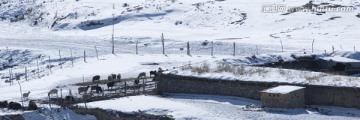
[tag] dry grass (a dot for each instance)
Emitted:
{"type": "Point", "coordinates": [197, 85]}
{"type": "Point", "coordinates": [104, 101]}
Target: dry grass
{"type": "Point", "coordinates": [203, 68]}
{"type": "Point", "coordinates": [242, 70]}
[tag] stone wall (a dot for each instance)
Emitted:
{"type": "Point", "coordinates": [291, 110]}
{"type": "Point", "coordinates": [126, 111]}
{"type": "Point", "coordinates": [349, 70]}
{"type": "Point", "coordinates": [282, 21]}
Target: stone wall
{"type": "Point", "coordinates": [314, 94]}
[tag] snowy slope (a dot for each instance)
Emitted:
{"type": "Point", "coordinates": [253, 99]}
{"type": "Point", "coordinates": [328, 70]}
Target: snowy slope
{"type": "Point", "coordinates": [44, 27]}
{"type": "Point", "coordinates": [189, 106]}
{"type": "Point", "coordinates": [186, 20]}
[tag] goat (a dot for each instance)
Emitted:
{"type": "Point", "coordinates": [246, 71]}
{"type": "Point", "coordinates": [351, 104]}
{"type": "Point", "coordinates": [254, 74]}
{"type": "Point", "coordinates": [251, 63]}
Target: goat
{"type": "Point", "coordinates": [118, 77]}
{"type": "Point", "coordinates": [32, 105]}
{"type": "Point", "coordinates": [26, 95]}
{"type": "Point", "coordinates": [96, 78]}
{"type": "Point", "coordinates": [14, 106]}
{"type": "Point", "coordinates": [111, 84]}
{"type": "Point", "coordinates": [83, 89]}
{"type": "Point", "coordinates": [153, 73]}
{"type": "Point", "coordinates": [53, 91]}
{"type": "Point", "coordinates": [3, 104]}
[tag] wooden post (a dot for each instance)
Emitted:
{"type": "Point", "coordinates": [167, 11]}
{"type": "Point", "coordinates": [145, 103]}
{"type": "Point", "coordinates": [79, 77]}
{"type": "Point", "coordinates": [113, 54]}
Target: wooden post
{"type": "Point", "coordinates": [26, 79]}
{"type": "Point", "coordinates": [354, 48]}
{"type": "Point", "coordinates": [61, 93]}
{"type": "Point", "coordinates": [212, 48]}
{"type": "Point", "coordinates": [83, 78]}
{"type": "Point", "coordinates": [282, 47]}
{"type": "Point", "coordinates": [22, 103]}
{"type": "Point", "coordinates": [72, 59]}
{"type": "Point", "coordinates": [234, 46]}
{"type": "Point", "coordinates": [312, 46]}
{"type": "Point", "coordinates": [60, 60]}
{"type": "Point", "coordinates": [84, 56]}
{"type": "Point", "coordinates": [113, 41]}
{"type": "Point", "coordinates": [163, 44]}
{"type": "Point", "coordinates": [137, 42]}
{"type": "Point", "coordinates": [125, 88]}
{"type": "Point", "coordinates": [188, 48]}
{"type": "Point", "coordinates": [144, 86]}
{"type": "Point", "coordinates": [50, 65]}
{"type": "Point", "coordinates": [97, 54]}
{"type": "Point", "coordinates": [49, 102]}
{"type": "Point", "coordinates": [333, 50]}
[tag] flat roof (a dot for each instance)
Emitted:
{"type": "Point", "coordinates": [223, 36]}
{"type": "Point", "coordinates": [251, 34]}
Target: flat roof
{"type": "Point", "coordinates": [283, 89]}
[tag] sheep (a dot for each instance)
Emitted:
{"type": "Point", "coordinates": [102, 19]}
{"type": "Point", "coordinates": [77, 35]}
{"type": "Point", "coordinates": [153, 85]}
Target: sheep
{"type": "Point", "coordinates": [69, 99]}
{"type": "Point", "coordinates": [3, 104]}
{"type": "Point", "coordinates": [14, 106]}
{"type": "Point", "coordinates": [53, 91]}
{"type": "Point", "coordinates": [118, 77]}
{"type": "Point", "coordinates": [142, 75]}
{"type": "Point", "coordinates": [83, 89]}
{"type": "Point", "coordinates": [110, 84]}
{"type": "Point", "coordinates": [153, 73]}
{"type": "Point", "coordinates": [96, 78]}
{"type": "Point", "coordinates": [93, 87]}
{"type": "Point", "coordinates": [110, 78]}
{"type": "Point", "coordinates": [26, 95]}
{"type": "Point", "coordinates": [32, 105]}
{"type": "Point", "coordinates": [99, 89]}
{"type": "Point", "coordinates": [113, 76]}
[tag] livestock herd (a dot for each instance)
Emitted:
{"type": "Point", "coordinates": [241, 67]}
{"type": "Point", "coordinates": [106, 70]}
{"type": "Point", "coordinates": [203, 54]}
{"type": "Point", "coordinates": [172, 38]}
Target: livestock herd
{"type": "Point", "coordinates": [83, 89]}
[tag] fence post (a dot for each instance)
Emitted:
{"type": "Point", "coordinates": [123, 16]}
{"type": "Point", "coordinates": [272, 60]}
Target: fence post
{"type": "Point", "coordinates": [125, 88]}
{"type": "Point", "coordinates": [282, 47]}
{"type": "Point", "coordinates": [137, 42]}
{"type": "Point", "coordinates": [312, 46]}
{"type": "Point", "coordinates": [26, 73]}
{"type": "Point", "coordinates": [212, 48]}
{"type": "Point", "coordinates": [22, 103]}
{"type": "Point", "coordinates": [97, 54]}
{"type": "Point", "coordinates": [72, 59]}
{"type": "Point", "coordinates": [50, 65]}
{"type": "Point", "coordinates": [144, 86]}
{"type": "Point", "coordinates": [333, 49]}
{"type": "Point", "coordinates": [60, 60]}
{"type": "Point", "coordinates": [163, 44]}
{"type": "Point", "coordinates": [234, 46]}
{"type": "Point", "coordinates": [188, 48]}
{"type": "Point", "coordinates": [257, 50]}
{"type": "Point", "coordinates": [84, 56]}
{"type": "Point", "coordinates": [354, 48]}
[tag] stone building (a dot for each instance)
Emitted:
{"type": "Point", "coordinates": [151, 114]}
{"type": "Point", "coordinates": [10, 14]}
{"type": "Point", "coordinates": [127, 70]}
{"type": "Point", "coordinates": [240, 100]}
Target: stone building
{"type": "Point", "coordinates": [283, 96]}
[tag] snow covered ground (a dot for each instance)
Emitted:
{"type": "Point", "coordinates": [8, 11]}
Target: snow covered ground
{"type": "Point", "coordinates": [31, 32]}
{"type": "Point", "coordinates": [209, 107]}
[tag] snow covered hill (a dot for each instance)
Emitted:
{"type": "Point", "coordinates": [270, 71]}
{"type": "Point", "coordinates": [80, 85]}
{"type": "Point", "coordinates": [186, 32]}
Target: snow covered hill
{"type": "Point", "coordinates": [53, 32]}
{"type": "Point", "coordinates": [242, 21]}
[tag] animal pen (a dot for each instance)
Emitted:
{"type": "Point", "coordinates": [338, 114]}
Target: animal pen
{"type": "Point", "coordinates": [122, 88]}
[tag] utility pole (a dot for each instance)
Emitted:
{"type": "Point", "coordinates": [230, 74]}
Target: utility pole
{"type": "Point", "coordinates": [113, 29]}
